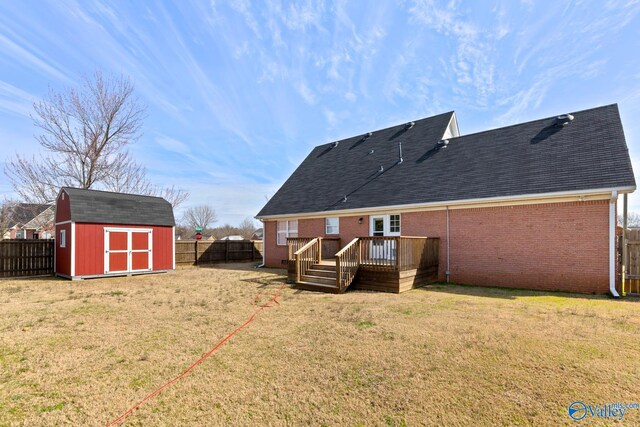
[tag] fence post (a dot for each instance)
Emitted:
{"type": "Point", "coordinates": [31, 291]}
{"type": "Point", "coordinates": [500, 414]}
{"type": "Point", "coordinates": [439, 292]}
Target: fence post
{"type": "Point", "coordinates": [253, 251]}
{"type": "Point", "coordinates": [226, 251]}
{"type": "Point", "coordinates": [196, 260]}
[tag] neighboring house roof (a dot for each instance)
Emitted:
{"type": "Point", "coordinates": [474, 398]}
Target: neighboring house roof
{"type": "Point", "coordinates": [531, 158]}
{"type": "Point", "coordinates": [257, 235]}
{"type": "Point", "coordinates": [233, 237]}
{"type": "Point", "coordinates": [105, 207]}
{"type": "Point", "coordinates": [22, 213]}
{"type": "Point", "coordinates": [44, 219]}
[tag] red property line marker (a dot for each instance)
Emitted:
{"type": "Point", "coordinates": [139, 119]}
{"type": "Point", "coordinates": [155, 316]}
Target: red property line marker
{"type": "Point", "coordinates": [274, 298]}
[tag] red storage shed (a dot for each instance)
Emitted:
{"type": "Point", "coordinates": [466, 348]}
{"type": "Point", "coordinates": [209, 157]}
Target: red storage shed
{"type": "Point", "coordinates": [100, 233]}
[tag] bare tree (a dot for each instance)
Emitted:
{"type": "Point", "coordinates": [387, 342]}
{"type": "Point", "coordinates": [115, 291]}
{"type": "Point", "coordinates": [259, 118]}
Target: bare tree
{"type": "Point", "coordinates": [202, 216]}
{"type": "Point", "coordinates": [85, 133]}
{"type": "Point", "coordinates": [6, 216]}
{"type": "Point", "coordinates": [224, 230]}
{"type": "Point", "coordinates": [247, 228]}
{"type": "Point", "coordinates": [633, 219]}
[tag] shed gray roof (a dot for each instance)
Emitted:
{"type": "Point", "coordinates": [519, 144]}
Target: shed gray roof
{"type": "Point", "coordinates": [536, 157]}
{"type": "Point", "coordinates": [104, 207]}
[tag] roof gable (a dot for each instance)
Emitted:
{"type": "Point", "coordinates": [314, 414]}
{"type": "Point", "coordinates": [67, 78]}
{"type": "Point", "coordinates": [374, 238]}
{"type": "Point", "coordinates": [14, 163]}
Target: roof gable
{"type": "Point", "coordinates": [21, 213]}
{"type": "Point", "coordinates": [536, 157]}
{"type": "Point", "coordinates": [104, 207]}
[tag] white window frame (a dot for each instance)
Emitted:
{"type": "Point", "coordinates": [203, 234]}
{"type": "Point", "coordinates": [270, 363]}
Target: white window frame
{"type": "Point", "coordinates": [284, 229]}
{"type": "Point", "coordinates": [332, 228]}
{"type": "Point", "coordinates": [387, 225]}
{"type": "Point", "coordinates": [63, 238]}
{"type": "Point", "coordinates": [395, 233]}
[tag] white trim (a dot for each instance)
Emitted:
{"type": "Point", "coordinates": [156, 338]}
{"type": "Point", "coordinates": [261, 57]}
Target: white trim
{"type": "Point", "coordinates": [73, 249]}
{"type": "Point", "coordinates": [326, 226]}
{"type": "Point", "coordinates": [556, 197]}
{"type": "Point", "coordinates": [287, 231]}
{"type": "Point", "coordinates": [173, 239]}
{"type": "Point", "coordinates": [612, 244]}
{"type": "Point", "coordinates": [452, 130]}
{"type": "Point", "coordinates": [386, 221]}
{"type": "Point", "coordinates": [129, 251]}
{"type": "Point", "coordinates": [264, 246]}
{"type": "Point", "coordinates": [63, 222]}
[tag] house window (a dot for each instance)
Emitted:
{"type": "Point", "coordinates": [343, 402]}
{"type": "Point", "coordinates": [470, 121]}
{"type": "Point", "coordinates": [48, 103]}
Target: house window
{"type": "Point", "coordinates": [20, 234]}
{"type": "Point", "coordinates": [287, 229]}
{"type": "Point", "coordinates": [394, 223]}
{"type": "Point", "coordinates": [63, 238]}
{"type": "Point", "coordinates": [332, 225]}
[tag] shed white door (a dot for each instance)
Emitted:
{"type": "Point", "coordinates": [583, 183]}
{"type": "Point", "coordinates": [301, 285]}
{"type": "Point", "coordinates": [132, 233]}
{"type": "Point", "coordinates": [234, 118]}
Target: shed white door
{"type": "Point", "coordinates": [127, 250]}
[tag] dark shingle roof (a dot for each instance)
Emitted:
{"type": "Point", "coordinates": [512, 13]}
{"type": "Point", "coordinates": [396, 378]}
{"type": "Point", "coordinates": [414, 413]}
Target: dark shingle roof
{"type": "Point", "coordinates": [530, 158]}
{"type": "Point", "coordinates": [105, 207]}
{"type": "Point", "coordinates": [22, 213]}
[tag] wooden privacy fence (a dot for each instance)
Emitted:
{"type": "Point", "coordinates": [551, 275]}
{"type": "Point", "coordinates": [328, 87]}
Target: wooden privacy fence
{"type": "Point", "coordinates": [632, 282]}
{"type": "Point", "coordinates": [26, 257]}
{"type": "Point", "coordinates": [201, 252]}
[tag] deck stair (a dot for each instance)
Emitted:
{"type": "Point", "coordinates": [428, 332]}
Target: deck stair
{"type": "Point", "coordinates": [320, 277]}
{"type": "Point", "coordinates": [314, 273]}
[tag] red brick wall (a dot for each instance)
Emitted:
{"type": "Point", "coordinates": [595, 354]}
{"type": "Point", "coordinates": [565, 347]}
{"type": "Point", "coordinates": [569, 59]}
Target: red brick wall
{"type": "Point", "coordinates": [555, 246]}
{"type": "Point", "coordinates": [560, 246]}
{"type": "Point", "coordinates": [314, 227]}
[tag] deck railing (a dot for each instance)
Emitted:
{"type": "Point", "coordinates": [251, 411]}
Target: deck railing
{"type": "Point", "coordinates": [347, 263]}
{"type": "Point", "coordinates": [295, 243]}
{"type": "Point", "coordinates": [307, 256]}
{"type": "Point", "coordinates": [400, 253]}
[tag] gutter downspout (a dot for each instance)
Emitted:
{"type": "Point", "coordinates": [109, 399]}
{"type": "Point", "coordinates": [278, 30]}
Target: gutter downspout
{"type": "Point", "coordinates": [264, 247]}
{"type": "Point", "coordinates": [448, 272]}
{"type": "Point", "coordinates": [612, 245]}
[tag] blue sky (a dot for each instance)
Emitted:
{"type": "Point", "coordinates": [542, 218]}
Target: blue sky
{"type": "Point", "coordinates": [239, 92]}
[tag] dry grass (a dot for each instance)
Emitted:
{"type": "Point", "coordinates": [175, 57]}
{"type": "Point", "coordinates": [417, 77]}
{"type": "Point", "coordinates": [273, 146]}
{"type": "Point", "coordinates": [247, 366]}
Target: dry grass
{"type": "Point", "coordinates": [81, 353]}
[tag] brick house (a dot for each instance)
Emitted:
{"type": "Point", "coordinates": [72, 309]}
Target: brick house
{"type": "Point", "coordinates": [28, 221]}
{"type": "Point", "coordinates": [532, 205]}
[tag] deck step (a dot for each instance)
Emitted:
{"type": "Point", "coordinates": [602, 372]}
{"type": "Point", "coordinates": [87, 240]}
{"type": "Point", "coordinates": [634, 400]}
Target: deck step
{"type": "Point", "coordinates": [324, 267]}
{"type": "Point", "coordinates": [319, 280]}
{"type": "Point", "coordinates": [322, 273]}
{"type": "Point", "coordinates": [310, 286]}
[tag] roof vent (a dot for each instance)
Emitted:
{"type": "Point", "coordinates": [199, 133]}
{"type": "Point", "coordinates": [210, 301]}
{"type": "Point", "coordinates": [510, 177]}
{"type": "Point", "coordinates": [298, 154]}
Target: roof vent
{"type": "Point", "coordinates": [369, 134]}
{"type": "Point", "coordinates": [409, 125]}
{"type": "Point", "coordinates": [345, 199]}
{"type": "Point", "coordinates": [335, 144]}
{"type": "Point", "coordinates": [564, 119]}
{"type": "Point", "coordinates": [381, 169]}
{"type": "Point", "coordinates": [443, 143]}
{"type": "Point", "coordinates": [371, 151]}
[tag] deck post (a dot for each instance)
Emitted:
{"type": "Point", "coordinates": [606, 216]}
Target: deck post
{"type": "Point", "coordinates": [319, 249]}
{"type": "Point", "coordinates": [338, 271]}
{"type": "Point", "coordinates": [298, 276]}
{"type": "Point", "coordinates": [398, 253]}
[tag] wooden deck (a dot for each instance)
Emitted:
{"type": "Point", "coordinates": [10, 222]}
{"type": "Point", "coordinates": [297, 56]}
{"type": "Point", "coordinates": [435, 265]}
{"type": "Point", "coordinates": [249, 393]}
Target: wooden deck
{"type": "Point", "coordinates": [386, 264]}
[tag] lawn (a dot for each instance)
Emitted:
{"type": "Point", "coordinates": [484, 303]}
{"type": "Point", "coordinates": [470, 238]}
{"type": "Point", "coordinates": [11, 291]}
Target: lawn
{"type": "Point", "coordinates": [82, 353]}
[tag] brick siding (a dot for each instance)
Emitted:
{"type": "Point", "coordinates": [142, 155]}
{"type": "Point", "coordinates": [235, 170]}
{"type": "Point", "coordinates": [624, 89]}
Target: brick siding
{"type": "Point", "coordinates": [554, 246]}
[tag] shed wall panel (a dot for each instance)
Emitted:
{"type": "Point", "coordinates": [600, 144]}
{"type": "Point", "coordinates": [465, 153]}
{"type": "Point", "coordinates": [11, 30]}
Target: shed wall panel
{"type": "Point", "coordinates": [63, 255]}
{"type": "Point", "coordinates": [90, 247]}
{"type": "Point", "coordinates": [63, 210]}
